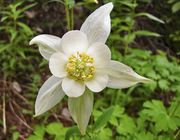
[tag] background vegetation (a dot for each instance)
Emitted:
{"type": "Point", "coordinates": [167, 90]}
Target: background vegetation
{"type": "Point", "coordinates": [145, 35]}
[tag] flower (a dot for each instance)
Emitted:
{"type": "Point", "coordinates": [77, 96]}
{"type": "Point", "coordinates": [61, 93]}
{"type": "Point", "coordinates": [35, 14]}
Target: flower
{"type": "Point", "coordinates": [78, 60]}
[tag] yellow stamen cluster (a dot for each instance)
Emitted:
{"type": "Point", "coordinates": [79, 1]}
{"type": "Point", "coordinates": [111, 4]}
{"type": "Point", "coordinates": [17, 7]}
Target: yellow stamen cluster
{"type": "Point", "coordinates": [80, 67]}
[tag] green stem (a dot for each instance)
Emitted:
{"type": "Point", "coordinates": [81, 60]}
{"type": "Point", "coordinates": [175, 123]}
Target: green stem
{"type": "Point", "coordinates": [172, 113]}
{"type": "Point", "coordinates": [72, 18]}
{"type": "Point", "coordinates": [126, 48]}
{"type": "Point", "coordinates": [67, 15]}
{"type": "Point", "coordinates": [113, 98]}
{"type": "Point", "coordinates": [177, 134]}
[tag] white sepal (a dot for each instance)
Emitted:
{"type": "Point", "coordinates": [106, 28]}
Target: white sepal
{"type": "Point", "coordinates": [97, 26]}
{"type": "Point", "coordinates": [48, 44]}
{"type": "Point", "coordinates": [122, 76]}
{"type": "Point", "coordinates": [80, 109]}
{"type": "Point", "coordinates": [49, 95]}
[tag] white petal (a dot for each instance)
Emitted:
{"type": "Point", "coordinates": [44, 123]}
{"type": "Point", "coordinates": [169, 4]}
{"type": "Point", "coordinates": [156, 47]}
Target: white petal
{"type": "Point", "coordinates": [122, 76]}
{"type": "Point", "coordinates": [101, 54]}
{"type": "Point", "coordinates": [57, 64]}
{"type": "Point", "coordinates": [97, 26]}
{"type": "Point", "coordinates": [49, 95]}
{"type": "Point", "coordinates": [80, 109]}
{"type": "Point", "coordinates": [72, 88]}
{"type": "Point", "coordinates": [98, 83]}
{"type": "Point", "coordinates": [73, 42]}
{"type": "Point", "coordinates": [48, 44]}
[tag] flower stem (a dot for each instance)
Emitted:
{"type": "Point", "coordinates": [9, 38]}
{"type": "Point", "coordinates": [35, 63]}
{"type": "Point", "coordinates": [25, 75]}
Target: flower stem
{"type": "Point", "coordinates": [67, 15]}
{"type": "Point", "coordinates": [72, 18]}
{"type": "Point", "coordinates": [172, 113]}
{"type": "Point", "coordinates": [126, 48]}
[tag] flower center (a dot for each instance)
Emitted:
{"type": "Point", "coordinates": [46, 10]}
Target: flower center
{"type": "Point", "coordinates": [80, 67]}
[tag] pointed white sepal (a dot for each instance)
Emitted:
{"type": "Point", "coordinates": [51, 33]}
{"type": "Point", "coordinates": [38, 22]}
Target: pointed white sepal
{"type": "Point", "coordinates": [49, 95]}
{"type": "Point", "coordinates": [97, 26]}
{"type": "Point", "coordinates": [48, 44]}
{"type": "Point", "coordinates": [122, 76]}
{"type": "Point", "coordinates": [81, 109]}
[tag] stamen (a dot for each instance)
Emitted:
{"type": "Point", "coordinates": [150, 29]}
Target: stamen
{"type": "Point", "coordinates": [80, 67]}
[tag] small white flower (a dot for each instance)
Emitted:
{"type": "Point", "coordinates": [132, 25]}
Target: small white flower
{"type": "Point", "coordinates": [78, 60]}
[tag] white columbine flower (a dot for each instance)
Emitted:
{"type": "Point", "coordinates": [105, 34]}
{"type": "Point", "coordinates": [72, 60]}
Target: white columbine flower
{"type": "Point", "coordinates": [80, 60]}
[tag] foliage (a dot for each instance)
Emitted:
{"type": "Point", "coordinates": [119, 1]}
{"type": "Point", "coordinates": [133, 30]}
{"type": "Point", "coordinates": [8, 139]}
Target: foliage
{"type": "Point", "coordinates": [123, 25]}
{"type": "Point", "coordinates": [17, 35]}
{"type": "Point", "coordinates": [164, 73]}
{"type": "Point", "coordinates": [153, 122]}
{"type": "Point", "coordinates": [175, 5]}
{"type": "Point", "coordinates": [55, 131]}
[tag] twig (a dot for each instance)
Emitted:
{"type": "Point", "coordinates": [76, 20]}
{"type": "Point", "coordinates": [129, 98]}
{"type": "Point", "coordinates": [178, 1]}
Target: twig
{"type": "Point", "coordinates": [19, 108]}
{"type": "Point", "coordinates": [4, 109]}
{"type": "Point", "coordinates": [4, 114]}
{"type": "Point", "coordinates": [21, 97]}
{"type": "Point", "coordinates": [177, 134]}
{"type": "Point", "coordinates": [23, 122]}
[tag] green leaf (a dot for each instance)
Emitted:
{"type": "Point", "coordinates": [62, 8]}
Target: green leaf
{"type": "Point", "coordinates": [105, 134]}
{"type": "Point", "coordinates": [175, 108]}
{"type": "Point", "coordinates": [161, 61]}
{"type": "Point", "coordinates": [15, 136]}
{"type": "Point", "coordinates": [129, 38]}
{"type": "Point", "coordinates": [165, 137]}
{"type": "Point", "coordinates": [163, 84]}
{"type": "Point", "coordinates": [176, 7]}
{"type": "Point", "coordinates": [152, 17]}
{"type": "Point", "coordinates": [71, 3]}
{"type": "Point", "coordinates": [126, 126]}
{"type": "Point", "coordinates": [171, 1]}
{"type": "Point", "coordinates": [28, 7]}
{"type": "Point", "coordinates": [59, 137]}
{"type": "Point", "coordinates": [4, 18]}
{"type": "Point", "coordinates": [16, 5]}
{"type": "Point", "coordinates": [144, 136]}
{"type": "Point", "coordinates": [129, 4]}
{"type": "Point", "coordinates": [39, 130]}
{"type": "Point", "coordinates": [80, 109]}
{"type": "Point", "coordinates": [103, 119]}
{"type": "Point", "coordinates": [146, 33]}
{"type": "Point", "coordinates": [118, 111]}
{"type": "Point", "coordinates": [71, 131]}
{"type": "Point", "coordinates": [157, 113]}
{"type": "Point", "coordinates": [3, 47]}
{"type": "Point", "coordinates": [26, 28]}
{"type": "Point", "coordinates": [34, 137]}
{"type": "Point", "coordinates": [55, 129]}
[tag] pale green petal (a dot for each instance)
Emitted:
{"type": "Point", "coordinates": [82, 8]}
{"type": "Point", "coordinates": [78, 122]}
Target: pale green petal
{"type": "Point", "coordinates": [49, 95]}
{"type": "Point", "coordinates": [97, 26]}
{"type": "Point", "coordinates": [48, 44]}
{"type": "Point", "coordinates": [122, 76]}
{"type": "Point", "coordinates": [81, 109]}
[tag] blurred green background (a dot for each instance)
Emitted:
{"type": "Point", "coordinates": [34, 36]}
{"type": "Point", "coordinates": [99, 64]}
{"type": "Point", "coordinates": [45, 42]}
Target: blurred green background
{"type": "Point", "coordinates": [145, 35]}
